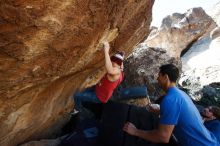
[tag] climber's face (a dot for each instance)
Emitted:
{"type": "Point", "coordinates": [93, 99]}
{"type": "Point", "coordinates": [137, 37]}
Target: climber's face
{"type": "Point", "coordinates": [114, 64]}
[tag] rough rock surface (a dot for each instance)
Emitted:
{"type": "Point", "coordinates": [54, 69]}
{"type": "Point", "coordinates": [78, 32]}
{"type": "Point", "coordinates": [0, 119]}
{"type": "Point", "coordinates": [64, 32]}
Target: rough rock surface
{"type": "Point", "coordinates": [50, 48]}
{"type": "Point", "coordinates": [142, 67]}
{"type": "Point", "coordinates": [210, 95]}
{"type": "Point", "coordinates": [178, 31]}
{"type": "Point", "coordinates": [201, 63]}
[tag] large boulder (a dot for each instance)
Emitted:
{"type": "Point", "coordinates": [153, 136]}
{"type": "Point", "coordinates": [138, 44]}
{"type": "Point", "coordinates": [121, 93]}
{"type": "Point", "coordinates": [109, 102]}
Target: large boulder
{"type": "Point", "coordinates": [178, 31]}
{"type": "Point", "coordinates": [49, 49]}
{"type": "Point", "coordinates": [142, 68]}
{"type": "Point", "coordinates": [201, 63]}
{"type": "Point", "coordinates": [210, 95]}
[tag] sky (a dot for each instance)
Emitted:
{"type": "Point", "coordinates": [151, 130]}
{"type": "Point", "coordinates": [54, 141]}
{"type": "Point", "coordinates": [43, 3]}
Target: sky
{"type": "Point", "coordinates": [162, 8]}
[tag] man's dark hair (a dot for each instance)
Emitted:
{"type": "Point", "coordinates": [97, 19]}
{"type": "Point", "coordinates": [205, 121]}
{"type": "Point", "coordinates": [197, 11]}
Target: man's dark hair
{"type": "Point", "coordinates": [171, 70]}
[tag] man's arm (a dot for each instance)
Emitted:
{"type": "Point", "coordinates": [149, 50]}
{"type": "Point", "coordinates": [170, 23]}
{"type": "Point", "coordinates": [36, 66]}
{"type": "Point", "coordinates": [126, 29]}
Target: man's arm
{"type": "Point", "coordinates": [108, 64]}
{"type": "Point", "coordinates": [160, 135]}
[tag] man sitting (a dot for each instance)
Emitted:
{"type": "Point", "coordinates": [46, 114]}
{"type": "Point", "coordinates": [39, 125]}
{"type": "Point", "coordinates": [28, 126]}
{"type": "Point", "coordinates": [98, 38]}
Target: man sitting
{"type": "Point", "coordinates": [211, 117]}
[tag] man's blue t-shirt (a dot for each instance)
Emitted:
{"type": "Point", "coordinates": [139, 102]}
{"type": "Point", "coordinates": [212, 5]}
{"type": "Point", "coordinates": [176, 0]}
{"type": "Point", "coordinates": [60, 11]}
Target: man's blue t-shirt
{"type": "Point", "coordinates": [178, 109]}
{"type": "Point", "coordinates": [214, 127]}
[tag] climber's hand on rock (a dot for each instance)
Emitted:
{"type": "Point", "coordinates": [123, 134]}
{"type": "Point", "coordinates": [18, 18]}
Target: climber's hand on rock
{"type": "Point", "coordinates": [106, 46]}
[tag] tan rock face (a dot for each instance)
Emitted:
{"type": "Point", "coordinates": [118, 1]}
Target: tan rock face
{"type": "Point", "coordinates": [50, 48]}
{"type": "Point", "coordinates": [178, 31]}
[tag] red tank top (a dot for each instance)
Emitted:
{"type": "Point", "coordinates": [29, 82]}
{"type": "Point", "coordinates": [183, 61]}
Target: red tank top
{"type": "Point", "coordinates": [105, 88]}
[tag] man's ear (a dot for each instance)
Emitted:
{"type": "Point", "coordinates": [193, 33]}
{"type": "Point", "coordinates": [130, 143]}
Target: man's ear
{"type": "Point", "coordinates": [166, 77]}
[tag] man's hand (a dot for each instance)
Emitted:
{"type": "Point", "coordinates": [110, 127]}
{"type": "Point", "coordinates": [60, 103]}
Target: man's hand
{"type": "Point", "coordinates": [106, 46]}
{"type": "Point", "coordinates": [130, 128]}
